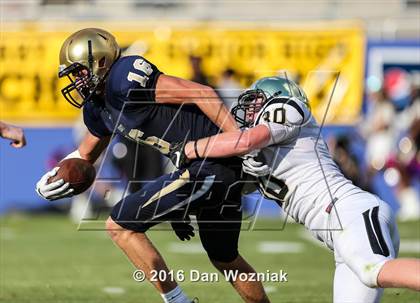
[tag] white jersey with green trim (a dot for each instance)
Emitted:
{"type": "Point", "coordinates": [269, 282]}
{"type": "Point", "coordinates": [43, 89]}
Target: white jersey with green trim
{"type": "Point", "coordinates": [303, 174]}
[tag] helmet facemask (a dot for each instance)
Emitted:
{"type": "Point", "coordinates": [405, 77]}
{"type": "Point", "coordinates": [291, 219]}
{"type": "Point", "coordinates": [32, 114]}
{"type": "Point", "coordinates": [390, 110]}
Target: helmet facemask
{"type": "Point", "coordinates": [82, 84]}
{"type": "Point", "coordinates": [249, 105]}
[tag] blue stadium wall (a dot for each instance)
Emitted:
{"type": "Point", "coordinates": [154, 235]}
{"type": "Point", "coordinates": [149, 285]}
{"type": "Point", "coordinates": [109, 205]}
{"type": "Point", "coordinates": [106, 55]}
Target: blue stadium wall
{"type": "Point", "coordinates": [21, 168]}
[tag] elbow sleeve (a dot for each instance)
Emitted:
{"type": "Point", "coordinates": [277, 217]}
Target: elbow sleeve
{"type": "Point", "coordinates": [281, 133]}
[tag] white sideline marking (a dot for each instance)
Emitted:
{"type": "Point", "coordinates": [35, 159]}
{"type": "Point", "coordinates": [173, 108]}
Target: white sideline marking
{"type": "Point", "coordinates": [270, 289]}
{"type": "Point", "coordinates": [410, 246]}
{"type": "Point", "coordinates": [7, 233]}
{"type": "Point", "coordinates": [275, 247]}
{"type": "Point", "coordinates": [406, 246]}
{"type": "Point", "coordinates": [114, 290]}
{"type": "Point", "coordinates": [186, 248]}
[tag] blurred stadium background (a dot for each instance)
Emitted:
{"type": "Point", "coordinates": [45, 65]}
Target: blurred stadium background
{"type": "Point", "coordinates": [372, 127]}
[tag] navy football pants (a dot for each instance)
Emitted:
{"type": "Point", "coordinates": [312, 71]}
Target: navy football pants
{"type": "Point", "coordinates": [210, 190]}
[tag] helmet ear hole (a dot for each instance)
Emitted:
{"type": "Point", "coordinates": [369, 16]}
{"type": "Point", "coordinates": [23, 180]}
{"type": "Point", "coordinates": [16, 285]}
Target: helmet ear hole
{"type": "Point", "coordinates": [102, 62]}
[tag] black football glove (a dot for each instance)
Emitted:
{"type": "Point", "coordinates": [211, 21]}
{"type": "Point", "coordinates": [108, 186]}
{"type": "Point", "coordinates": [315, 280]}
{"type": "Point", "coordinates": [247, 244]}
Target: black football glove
{"type": "Point", "coordinates": [177, 154]}
{"type": "Point", "coordinates": [184, 230]}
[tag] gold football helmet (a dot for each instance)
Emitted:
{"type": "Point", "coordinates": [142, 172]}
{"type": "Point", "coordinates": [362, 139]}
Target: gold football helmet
{"type": "Point", "coordinates": [86, 58]}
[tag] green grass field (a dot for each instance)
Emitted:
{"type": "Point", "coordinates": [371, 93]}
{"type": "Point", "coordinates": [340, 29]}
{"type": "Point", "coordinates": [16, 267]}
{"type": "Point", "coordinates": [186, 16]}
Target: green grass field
{"type": "Point", "coordinates": [46, 259]}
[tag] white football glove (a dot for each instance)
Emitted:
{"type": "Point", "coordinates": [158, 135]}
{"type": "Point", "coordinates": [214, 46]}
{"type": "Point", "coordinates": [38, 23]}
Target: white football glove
{"type": "Point", "coordinates": [255, 168]}
{"type": "Point", "coordinates": [55, 190]}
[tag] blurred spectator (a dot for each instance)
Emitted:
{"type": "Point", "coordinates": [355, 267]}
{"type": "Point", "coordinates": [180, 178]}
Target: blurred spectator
{"type": "Point", "coordinates": [391, 130]}
{"type": "Point", "coordinates": [346, 160]}
{"type": "Point", "coordinates": [404, 164]}
{"type": "Point", "coordinates": [197, 71]}
{"type": "Point", "coordinates": [378, 131]}
{"type": "Point", "coordinates": [229, 88]}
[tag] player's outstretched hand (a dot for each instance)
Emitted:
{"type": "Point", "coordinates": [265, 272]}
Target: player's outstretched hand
{"type": "Point", "coordinates": [255, 168]}
{"type": "Point", "coordinates": [14, 134]}
{"type": "Point", "coordinates": [177, 154]}
{"type": "Point", "coordinates": [54, 190]}
{"type": "Point", "coordinates": [183, 230]}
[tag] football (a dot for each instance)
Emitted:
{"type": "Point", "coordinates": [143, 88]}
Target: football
{"type": "Point", "coordinates": [78, 172]}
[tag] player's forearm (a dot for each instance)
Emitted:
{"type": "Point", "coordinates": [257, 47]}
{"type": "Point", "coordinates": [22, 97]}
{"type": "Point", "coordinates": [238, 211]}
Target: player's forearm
{"type": "Point", "coordinates": [91, 147]}
{"type": "Point", "coordinates": [228, 144]}
{"type": "Point", "coordinates": [6, 130]}
{"type": "Point", "coordinates": [13, 133]}
{"type": "Point", "coordinates": [211, 105]}
{"type": "Point", "coordinates": [218, 146]}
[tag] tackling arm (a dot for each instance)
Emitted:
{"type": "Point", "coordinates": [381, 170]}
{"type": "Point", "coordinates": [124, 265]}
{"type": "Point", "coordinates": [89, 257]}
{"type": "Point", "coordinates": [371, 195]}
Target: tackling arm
{"type": "Point", "coordinates": [229, 144]}
{"type": "Point", "coordinates": [179, 91]}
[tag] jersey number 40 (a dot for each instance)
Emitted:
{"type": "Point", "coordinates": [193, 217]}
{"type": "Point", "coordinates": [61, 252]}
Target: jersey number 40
{"type": "Point", "coordinates": [277, 115]}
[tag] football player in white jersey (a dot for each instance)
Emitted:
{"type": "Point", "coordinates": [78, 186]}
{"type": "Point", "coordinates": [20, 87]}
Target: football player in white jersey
{"type": "Point", "coordinates": [294, 168]}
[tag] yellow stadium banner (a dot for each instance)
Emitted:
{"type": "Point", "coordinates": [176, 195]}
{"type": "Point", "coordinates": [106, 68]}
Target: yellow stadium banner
{"type": "Point", "coordinates": [314, 54]}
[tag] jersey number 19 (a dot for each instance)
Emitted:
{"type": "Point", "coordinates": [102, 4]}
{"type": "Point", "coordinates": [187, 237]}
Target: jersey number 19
{"type": "Point", "coordinates": [144, 69]}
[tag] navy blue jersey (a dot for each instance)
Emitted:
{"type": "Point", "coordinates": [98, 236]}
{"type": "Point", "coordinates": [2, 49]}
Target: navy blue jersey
{"type": "Point", "coordinates": [207, 188]}
{"type": "Point", "coordinates": [129, 108]}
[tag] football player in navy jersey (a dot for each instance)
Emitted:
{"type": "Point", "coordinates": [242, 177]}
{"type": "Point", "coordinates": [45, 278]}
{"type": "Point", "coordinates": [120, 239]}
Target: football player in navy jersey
{"type": "Point", "coordinates": [129, 96]}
